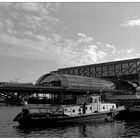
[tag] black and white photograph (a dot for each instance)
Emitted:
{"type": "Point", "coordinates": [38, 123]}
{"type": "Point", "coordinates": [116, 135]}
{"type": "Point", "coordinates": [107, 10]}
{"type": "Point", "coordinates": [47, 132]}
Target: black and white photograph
{"type": "Point", "coordinates": [69, 69]}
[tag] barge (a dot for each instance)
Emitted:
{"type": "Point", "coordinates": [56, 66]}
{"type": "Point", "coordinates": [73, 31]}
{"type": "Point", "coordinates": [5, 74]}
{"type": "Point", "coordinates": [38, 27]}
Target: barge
{"type": "Point", "coordinates": [93, 110]}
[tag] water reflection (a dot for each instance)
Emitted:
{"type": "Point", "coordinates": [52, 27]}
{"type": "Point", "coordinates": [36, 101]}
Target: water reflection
{"type": "Point", "coordinates": [91, 130]}
{"type": "Point", "coordinates": [83, 130]}
{"type": "Point", "coordinates": [58, 131]}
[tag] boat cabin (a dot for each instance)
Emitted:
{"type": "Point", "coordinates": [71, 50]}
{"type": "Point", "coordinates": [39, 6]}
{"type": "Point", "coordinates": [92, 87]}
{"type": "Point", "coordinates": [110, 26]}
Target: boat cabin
{"type": "Point", "coordinates": [85, 105]}
{"type": "Point", "coordinates": [93, 105]}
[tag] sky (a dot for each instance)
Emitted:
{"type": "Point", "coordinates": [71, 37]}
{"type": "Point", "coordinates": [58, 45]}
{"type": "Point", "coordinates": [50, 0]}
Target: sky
{"type": "Point", "coordinates": [36, 38]}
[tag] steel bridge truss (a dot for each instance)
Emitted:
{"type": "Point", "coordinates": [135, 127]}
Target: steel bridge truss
{"type": "Point", "coordinates": [124, 70]}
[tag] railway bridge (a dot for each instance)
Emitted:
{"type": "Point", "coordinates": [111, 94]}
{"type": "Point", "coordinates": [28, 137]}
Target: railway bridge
{"type": "Point", "coordinates": [128, 70]}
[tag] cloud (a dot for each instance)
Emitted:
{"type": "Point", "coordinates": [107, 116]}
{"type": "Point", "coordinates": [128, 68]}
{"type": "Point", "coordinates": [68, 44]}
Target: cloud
{"type": "Point", "coordinates": [9, 23]}
{"type": "Point", "coordinates": [35, 7]}
{"type": "Point", "coordinates": [91, 52]}
{"type": "Point", "coordinates": [31, 21]}
{"type": "Point", "coordinates": [102, 54]}
{"type": "Point", "coordinates": [83, 38]}
{"type": "Point", "coordinates": [34, 17]}
{"type": "Point", "coordinates": [109, 46]}
{"type": "Point", "coordinates": [65, 52]}
{"type": "Point", "coordinates": [29, 31]}
{"type": "Point", "coordinates": [98, 43]}
{"type": "Point", "coordinates": [130, 50]}
{"type": "Point", "coordinates": [43, 8]}
{"type": "Point", "coordinates": [1, 25]}
{"type": "Point", "coordinates": [126, 54]}
{"type": "Point", "coordinates": [81, 34]}
{"type": "Point", "coordinates": [112, 48]}
{"type": "Point", "coordinates": [55, 48]}
{"type": "Point", "coordinates": [131, 23]}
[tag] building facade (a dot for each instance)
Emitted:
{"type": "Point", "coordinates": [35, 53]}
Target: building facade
{"type": "Point", "coordinates": [124, 70]}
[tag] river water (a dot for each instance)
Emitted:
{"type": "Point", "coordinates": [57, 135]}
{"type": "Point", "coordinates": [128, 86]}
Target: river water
{"type": "Point", "coordinates": [115, 129]}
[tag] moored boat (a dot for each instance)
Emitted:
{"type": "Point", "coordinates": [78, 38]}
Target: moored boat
{"type": "Point", "coordinates": [91, 110]}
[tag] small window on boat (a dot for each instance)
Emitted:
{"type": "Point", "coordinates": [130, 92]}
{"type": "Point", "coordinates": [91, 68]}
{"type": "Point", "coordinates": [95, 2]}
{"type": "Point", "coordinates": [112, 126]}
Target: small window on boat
{"type": "Point", "coordinates": [65, 109]}
{"type": "Point", "coordinates": [90, 100]}
{"type": "Point", "coordinates": [90, 108]}
{"type": "Point", "coordinates": [86, 108]}
{"type": "Point", "coordinates": [113, 106]}
{"type": "Point", "coordinates": [103, 107]}
{"type": "Point", "coordinates": [99, 99]}
{"type": "Point", "coordinates": [73, 111]}
{"type": "Point", "coordinates": [95, 100]}
{"type": "Point", "coordinates": [79, 110]}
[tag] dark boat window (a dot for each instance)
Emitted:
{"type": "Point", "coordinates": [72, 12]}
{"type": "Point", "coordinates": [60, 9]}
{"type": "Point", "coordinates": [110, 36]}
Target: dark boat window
{"type": "Point", "coordinates": [73, 111]}
{"type": "Point", "coordinates": [90, 100]}
{"type": "Point", "coordinates": [86, 108]}
{"type": "Point", "coordinates": [103, 107]}
{"type": "Point", "coordinates": [99, 99]}
{"type": "Point", "coordinates": [65, 109]}
{"type": "Point", "coordinates": [113, 106]}
{"type": "Point", "coordinates": [95, 100]}
{"type": "Point", "coordinates": [90, 108]}
{"type": "Point", "coordinates": [79, 110]}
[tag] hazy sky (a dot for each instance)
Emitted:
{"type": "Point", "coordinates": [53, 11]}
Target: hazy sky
{"type": "Point", "coordinates": [36, 38]}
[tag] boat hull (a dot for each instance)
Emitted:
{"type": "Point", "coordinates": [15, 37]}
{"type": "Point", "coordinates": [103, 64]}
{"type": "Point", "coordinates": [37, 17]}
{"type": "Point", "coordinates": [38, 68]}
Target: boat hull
{"type": "Point", "coordinates": [44, 121]}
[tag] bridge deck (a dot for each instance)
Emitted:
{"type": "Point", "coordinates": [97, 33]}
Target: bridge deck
{"type": "Point", "coordinates": [44, 89]}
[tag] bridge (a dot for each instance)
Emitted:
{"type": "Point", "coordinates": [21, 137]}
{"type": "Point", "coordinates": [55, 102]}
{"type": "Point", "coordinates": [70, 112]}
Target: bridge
{"type": "Point", "coordinates": [63, 84]}
{"type": "Point", "coordinates": [15, 93]}
{"type": "Point", "coordinates": [22, 91]}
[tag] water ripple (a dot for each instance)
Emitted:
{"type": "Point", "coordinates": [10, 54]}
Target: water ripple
{"type": "Point", "coordinates": [114, 129]}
